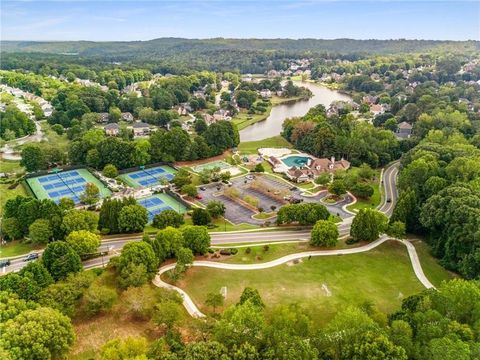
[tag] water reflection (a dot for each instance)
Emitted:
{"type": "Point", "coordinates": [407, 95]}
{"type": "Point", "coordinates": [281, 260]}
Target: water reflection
{"type": "Point", "coordinates": [272, 125]}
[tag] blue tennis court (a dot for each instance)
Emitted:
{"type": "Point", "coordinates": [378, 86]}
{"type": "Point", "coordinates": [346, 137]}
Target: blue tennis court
{"type": "Point", "coordinates": [67, 184]}
{"type": "Point", "coordinates": [160, 202]}
{"type": "Point", "coordinates": [149, 177]}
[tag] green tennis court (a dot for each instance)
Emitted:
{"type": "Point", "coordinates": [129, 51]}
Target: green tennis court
{"type": "Point", "coordinates": [211, 165]}
{"type": "Point", "coordinates": [70, 184]}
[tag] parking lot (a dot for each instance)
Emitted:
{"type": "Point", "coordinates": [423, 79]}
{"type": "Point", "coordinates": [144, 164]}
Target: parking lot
{"type": "Point", "coordinates": [237, 213]}
{"type": "Point", "coordinates": [234, 212]}
{"type": "Point", "coordinates": [264, 201]}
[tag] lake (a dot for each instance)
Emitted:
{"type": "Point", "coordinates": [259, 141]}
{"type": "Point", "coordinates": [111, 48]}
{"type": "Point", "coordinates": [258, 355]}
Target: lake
{"type": "Point", "coordinates": [272, 125]}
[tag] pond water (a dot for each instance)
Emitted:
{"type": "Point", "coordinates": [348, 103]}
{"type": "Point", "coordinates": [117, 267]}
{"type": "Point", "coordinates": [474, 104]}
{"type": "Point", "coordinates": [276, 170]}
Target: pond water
{"type": "Point", "coordinates": [272, 125]}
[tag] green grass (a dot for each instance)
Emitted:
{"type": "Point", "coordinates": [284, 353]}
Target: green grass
{"type": "Point", "coordinates": [60, 141]}
{"type": "Point", "coordinates": [430, 265]}
{"type": "Point", "coordinates": [258, 254]}
{"type": "Point", "coordinates": [7, 193]}
{"type": "Point", "coordinates": [263, 216]}
{"type": "Point", "coordinates": [306, 185]}
{"type": "Point", "coordinates": [243, 119]}
{"type": "Point", "coordinates": [8, 166]}
{"type": "Point", "coordinates": [220, 223]}
{"type": "Point", "coordinates": [383, 276]}
{"type": "Point", "coordinates": [251, 147]}
{"type": "Point", "coordinates": [15, 248]}
{"type": "Point", "coordinates": [374, 200]}
{"type": "Point", "coordinates": [226, 226]}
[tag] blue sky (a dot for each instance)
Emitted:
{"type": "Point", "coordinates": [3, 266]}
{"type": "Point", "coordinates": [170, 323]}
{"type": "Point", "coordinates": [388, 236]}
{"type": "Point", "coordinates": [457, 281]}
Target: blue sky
{"type": "Point", "coordinates": [144, 20]}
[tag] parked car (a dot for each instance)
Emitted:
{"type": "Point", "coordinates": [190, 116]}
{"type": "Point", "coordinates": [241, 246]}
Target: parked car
{"type": "Point", "coordinates": [199, 197]}
{"type": "Point", "coordinates": [249, 177]}
{"type": "Point", "coordinates": [296, 200]}
{"type": "Point", "coordinates": [4, 263]}
{"type": "Point", "coordinates": [293, 188]}
{"type": "Point", "coordinates": [31, 257]}
{"type": "Point", "coordinates": [203, 188]}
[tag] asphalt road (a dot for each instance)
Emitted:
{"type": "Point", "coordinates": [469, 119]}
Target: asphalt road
{"type": "Point", "coordinates": [114, 244]}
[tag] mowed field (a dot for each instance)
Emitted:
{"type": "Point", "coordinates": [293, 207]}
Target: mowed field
{"type": "Point", "coordinates": [323, 285]}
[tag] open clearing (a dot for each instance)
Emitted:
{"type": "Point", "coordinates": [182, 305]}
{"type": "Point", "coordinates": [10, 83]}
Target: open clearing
{"type": "Point", "coordinates": [383, 276]}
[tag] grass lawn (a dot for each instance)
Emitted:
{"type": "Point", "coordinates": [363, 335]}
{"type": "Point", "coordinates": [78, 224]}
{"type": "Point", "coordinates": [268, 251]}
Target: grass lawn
{"type": "Point", "coordinates": [430, 265]}
{"type": "Point", "coordinates": [263, 216]}
{"type": "Point", "coordinates": [60, 141]}
{"type": "Point", "coordinates": [383, 276]}
{"type": "Point", "coordinates": [7, 193]}
{"type": "Point", "coordinates": [374, 201]}
{"type": "Point", "coordinates": [244, 119]}
{"type": "Point", "coordinates": [221, 226]}
{"type": "Point", "coordinates": [15, 248]}
{"type": "Point", "coordinates": [9, 166]}
{"type": "Point", "coordinates": [258, 254]}
{"type": "Point", "coordinates": [226, 226]}
{"type": "Point", "coordinates": [306, 185]}
{"type": "Point", "coordinates": [251, 147]}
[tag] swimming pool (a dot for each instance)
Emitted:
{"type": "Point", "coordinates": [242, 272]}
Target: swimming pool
{"type": "Point", "coordinates": [295, 160]}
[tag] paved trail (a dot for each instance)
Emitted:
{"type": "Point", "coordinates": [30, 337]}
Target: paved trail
{"type": "Point", "coordinates": [193, 310]}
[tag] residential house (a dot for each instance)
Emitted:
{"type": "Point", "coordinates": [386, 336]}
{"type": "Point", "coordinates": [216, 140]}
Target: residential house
{"type": "Point", "coordinates": [199, 94]}
{"type": "Point", "coordinates": [265, 93]}
{"type": "Point", "coordinates": [376, 109]}
{"type": "Point", "coordinates": [221, 115]}
{"type": "Point", "coordinates": [47, 110]}
{"type": "Point", "coordinates": [208, 118]}
{"type": "Point", "coordinates": [273, 74]}
{"type": "Point", "coordinates": [140, 129]}
{"type": "Point", "coordinates": [370, 99]}
{"type": "Point", "coordinates": [127, 116]}
{"type": "Point", "coordinates": [184, 109]}
{"type": "Point", "coordinates": [404, 130]}
{"type": "Point", "coordinates": [104, 117]}
{"type": "Point", "coordinates": [112, 129]}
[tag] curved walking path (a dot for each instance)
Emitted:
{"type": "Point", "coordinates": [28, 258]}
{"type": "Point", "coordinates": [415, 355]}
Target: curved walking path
{"type": "Point", "coordinates": [193, 310]}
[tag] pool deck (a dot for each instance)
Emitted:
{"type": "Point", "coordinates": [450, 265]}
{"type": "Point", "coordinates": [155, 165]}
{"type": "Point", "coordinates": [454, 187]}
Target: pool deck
{"type": "Point", "coordinates": [282, 167]}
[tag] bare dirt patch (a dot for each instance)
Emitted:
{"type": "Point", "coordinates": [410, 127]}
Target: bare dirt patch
{"type": "Point", "coordinates": [294, 262]}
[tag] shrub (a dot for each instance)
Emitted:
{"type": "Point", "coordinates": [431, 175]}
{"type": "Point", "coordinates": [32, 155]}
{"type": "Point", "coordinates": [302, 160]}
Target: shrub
{"type": "Point", "coordinates": [362, 190]}
{"type": "Point", "coordinates": [168, 218]}
{"type": "Point", "coordinates": [200, 217]}
{"type": "Point", "coordinates": [110, 171]}
{"type": "Point", "coordinates": [97, 299]}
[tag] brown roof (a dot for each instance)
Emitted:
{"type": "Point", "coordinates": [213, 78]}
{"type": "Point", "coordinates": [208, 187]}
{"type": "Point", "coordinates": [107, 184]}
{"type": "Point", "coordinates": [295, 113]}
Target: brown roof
{"type": "Point", "coordinates": [274, 160]}
{"type": "Point", "coordinates": [405, 125]}
{"type": "Point", "coordinates": [323, 163]}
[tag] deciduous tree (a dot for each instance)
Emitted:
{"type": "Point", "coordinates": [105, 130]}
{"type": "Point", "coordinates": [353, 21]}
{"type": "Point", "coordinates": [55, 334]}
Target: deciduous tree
{"type": "Point", "coordinates": [324, 233]}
